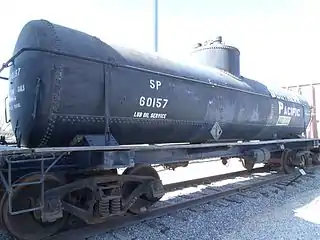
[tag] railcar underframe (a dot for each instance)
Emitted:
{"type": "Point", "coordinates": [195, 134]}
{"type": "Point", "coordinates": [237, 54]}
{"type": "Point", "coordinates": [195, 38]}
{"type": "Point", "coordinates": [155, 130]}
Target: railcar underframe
{"type": "Point", "coordinates": [51, 184]}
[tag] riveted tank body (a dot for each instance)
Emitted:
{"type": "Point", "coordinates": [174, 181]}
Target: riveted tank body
{"type": "Point", "coordinates": [66, 82]}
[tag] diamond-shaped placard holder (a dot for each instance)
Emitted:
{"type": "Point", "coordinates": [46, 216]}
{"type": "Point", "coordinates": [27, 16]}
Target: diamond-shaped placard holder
{"type": "Point", "coordinates": [216, 131]}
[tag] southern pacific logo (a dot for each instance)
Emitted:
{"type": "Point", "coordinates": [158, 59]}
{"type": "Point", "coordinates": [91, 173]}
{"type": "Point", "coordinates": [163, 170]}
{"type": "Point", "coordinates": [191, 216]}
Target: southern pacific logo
{"type": "Point", "coordinates": [285, 110]}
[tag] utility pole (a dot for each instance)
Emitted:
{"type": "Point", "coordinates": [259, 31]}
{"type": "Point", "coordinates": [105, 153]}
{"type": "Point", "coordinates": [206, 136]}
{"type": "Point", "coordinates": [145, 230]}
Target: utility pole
{"type": "Point", "coordinates": [156, 25]}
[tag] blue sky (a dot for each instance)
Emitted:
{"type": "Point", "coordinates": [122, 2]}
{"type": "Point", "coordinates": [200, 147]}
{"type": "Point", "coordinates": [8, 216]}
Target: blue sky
{"type": "Point", "coordinates": [278, 39]}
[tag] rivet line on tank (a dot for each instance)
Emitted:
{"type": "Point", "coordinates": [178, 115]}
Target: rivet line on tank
{"type": "Point", "coordinates": [56, 91]}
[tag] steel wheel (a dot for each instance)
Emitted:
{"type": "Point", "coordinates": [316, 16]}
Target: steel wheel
{"type": "Point", "coordinates": [27, 226]}
{"type": "Point", "coordinates": [146, 200]}
{"type": "Point", "coordinates": [287, 159]}
{"type": "Point", "coordinates": [247, 164]}
{"type": "Point", "coordinates": [316, 159]}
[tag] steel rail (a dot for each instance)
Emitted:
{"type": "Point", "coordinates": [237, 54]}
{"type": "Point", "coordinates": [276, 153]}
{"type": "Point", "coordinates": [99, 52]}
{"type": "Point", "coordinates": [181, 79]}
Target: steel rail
{"type": "Point", "coordinates": [123, 221]}
{"type": "Point", "coordinates": [127, 220]}
{"type": "Point", "coordinates": [183, 184]}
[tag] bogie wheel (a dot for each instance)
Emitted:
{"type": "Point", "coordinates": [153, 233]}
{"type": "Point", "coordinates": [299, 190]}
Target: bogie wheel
{"type": "Point", "coordinates": [287, 160]}
{"type": "Point", "coordinates": [28, 226]}
{"type": "Point", "coordinates": [247, 164]}
{"type": "Point", "coordinates": [316, 159]}
{"type": "Point", "coordinates": [145, 200]}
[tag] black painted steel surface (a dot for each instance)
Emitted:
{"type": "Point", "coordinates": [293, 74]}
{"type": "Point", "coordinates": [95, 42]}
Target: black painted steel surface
{"type": "Point", "coordinates": [147, 99]}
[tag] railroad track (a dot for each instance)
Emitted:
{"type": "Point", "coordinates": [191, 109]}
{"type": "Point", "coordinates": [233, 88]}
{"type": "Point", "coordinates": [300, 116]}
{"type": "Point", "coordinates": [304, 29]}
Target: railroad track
{"type": "Point", "coordinates": [206, 180]}
{"type": "Point", "coordinates": [208, 193]}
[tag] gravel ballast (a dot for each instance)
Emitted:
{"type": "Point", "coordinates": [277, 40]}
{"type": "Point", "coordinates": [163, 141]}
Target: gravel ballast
{"type": "Point", "coordinates": [292, 213]}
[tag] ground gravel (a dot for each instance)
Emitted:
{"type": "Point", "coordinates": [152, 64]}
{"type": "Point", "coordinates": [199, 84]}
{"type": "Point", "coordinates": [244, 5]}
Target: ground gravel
{"type": "Point", "coordinates": [273, 212]}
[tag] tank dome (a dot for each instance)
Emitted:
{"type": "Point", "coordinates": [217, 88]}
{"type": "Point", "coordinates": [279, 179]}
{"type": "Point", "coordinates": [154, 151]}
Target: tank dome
{"type": "Point", "coordinates": [216, 54]}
